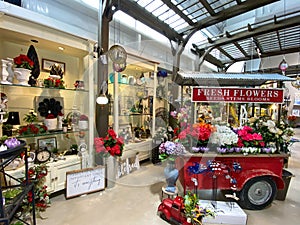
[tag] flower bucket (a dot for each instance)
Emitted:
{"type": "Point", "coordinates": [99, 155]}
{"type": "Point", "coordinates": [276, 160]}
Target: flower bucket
{"type": "Point", "coordinates": [51, 124]}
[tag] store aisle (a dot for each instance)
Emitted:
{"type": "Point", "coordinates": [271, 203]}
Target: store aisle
{"type": "Point", "coordinates": [135, 198]}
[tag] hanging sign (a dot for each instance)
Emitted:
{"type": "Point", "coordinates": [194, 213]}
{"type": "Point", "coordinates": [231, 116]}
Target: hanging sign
{"type": "Point", "coordinates": [221, 94]}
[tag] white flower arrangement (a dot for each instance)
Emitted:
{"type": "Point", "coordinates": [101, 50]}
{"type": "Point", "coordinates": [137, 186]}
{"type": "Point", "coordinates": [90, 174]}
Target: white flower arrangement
{"type": "Point", "coordinates": [224, 136]}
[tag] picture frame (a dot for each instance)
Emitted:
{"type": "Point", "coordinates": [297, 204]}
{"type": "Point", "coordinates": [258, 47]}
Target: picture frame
{"type": "Point", "coordinates": [47, 63]}
{"type": "Point", "coordinates": [49, 143]}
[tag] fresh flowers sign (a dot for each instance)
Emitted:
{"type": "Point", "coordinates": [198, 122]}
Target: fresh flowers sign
{"type": "Point", "coordinates": [109, 145]}
{"type": "Point", "coordinates": [217, 94]}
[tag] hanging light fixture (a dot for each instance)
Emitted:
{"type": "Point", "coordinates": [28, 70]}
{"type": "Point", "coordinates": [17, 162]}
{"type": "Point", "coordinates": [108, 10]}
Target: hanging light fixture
{"type": "Point", "coordinates": [102, 99]}
{"type": "Point", "coordinates": [283, 65]}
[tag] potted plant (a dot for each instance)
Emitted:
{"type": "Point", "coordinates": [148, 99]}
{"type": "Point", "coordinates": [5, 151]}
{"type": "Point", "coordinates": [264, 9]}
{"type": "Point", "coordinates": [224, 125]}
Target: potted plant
{"type": "Point", "coordinates": [23, 66]}
{"type": "Point", "coordinates": [50, 109]}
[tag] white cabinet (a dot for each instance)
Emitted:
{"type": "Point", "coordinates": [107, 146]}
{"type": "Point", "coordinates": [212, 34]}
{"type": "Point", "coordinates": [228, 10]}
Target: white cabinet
{"type": "Point", "coordinates": [56, 177]}
{"type": "Point", "coordinates": [142, 149]}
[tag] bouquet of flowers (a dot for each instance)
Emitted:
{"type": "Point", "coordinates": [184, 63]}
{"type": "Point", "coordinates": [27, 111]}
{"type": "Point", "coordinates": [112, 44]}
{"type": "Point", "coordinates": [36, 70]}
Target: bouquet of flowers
{"type": "Point", "coordinates": [249, 138]}
{"type": "Point", "coordinates": [277, 133]}
{"type": "Point", "coordinates": [170, 150]}
{"type": "Point", "coordinates": [23, 61]}
{"type": "Point", "coordinates": [54, 83]}
{"type": "Point", "coordinates": [31, 117]}
{"type": "Point", "coordinates": [32, 129]}
{"type": "Point", "coordinates": [194, 211]}
{"type": "Point", "coordinates": [224, 138]}
{"type": "Point", "coordinates": [183, 116]}
{"type": "Point", "coordinates": [199, 133]}
{"type": "Point", "coordinates": [109, 145]}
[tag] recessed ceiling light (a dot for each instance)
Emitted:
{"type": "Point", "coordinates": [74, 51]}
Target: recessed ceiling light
{"type": "Point", "coordinates": [61, 48]}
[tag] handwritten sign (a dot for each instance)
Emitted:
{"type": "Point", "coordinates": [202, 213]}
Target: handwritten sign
{"type": "Point", "coordinates": [85, 181]}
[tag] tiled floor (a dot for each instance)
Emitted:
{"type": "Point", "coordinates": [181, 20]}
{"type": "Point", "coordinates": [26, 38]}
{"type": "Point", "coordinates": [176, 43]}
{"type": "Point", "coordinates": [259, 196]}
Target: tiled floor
{"type": "Point", "coordinates": [135, 198]}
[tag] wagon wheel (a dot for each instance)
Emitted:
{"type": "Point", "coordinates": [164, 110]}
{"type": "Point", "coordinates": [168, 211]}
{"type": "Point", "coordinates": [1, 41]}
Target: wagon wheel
{"type": "Point", "coordinates": [257, 193]}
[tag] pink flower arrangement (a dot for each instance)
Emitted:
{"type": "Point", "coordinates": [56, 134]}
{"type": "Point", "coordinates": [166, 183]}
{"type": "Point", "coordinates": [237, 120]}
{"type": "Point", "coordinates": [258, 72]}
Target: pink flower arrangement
{"type": "Point", "coordinates": [248, 138]}
{"type": "Point", "coordinates": [109, 145]}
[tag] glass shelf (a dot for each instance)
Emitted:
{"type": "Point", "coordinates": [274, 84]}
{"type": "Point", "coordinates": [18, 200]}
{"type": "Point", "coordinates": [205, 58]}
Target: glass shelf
{"type": "Point", "coordinates": [50, 133]}
{"type": "Point", "coordinates": [36, 87]}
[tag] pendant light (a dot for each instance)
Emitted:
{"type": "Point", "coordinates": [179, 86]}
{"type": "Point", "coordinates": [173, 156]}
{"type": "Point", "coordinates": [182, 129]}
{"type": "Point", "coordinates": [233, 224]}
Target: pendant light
{"type": "Point", "coordinates": [102, 99]}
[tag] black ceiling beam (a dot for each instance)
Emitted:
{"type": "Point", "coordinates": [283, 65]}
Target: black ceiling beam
{"type": "Point", "coordinates": [137, 12]}
{"type": "Point", "coordinates": [293, 70]}
{"type": "Point", "coordinates": [264, 29]}
{"type": "Point", "coordinates": [177, 11]}
{"type": "Point", "coordinates": [209, 58]}
{"type": "Point", "coordinates": [241, 49]}
{"type": "Point", "coordinates": [207, 7]}
{"type": "Point", "coordinates": [225, 53]}
{"type": "Point", "coordinates": [230, 13]}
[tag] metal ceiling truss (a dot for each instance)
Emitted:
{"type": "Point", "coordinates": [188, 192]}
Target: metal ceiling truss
{"type": "Point", "coordinates": [179, 19]}
{"type": "Point", "coordinates": [277, 36]}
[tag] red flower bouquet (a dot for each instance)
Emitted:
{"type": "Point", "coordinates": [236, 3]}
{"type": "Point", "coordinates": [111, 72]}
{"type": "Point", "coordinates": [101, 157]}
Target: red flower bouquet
{"type": "Point", "coordinates": [248, 138]}
{"type": "Point", "coordinates": [32, 129]}
{"type": "Point", "coordinates": [23, 61]}
{"type": "Point", "coordinates": [110, 144]}
{"type": "Point", "coordinates": [198, 133]}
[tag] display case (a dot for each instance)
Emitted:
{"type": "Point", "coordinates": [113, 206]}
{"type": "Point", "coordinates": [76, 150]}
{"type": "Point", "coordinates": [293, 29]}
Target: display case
{"type": "Point", "coordinates": [76, 59]}
{"type": "Point", "coordinates": [132, 102]}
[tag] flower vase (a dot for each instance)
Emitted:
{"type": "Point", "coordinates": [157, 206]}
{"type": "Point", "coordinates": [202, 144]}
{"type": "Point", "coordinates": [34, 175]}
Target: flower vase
{"type": "Point", "coordinates": [171, 174]}
{"type": "Point", "coordinates": [4, 71]}
{"type": "Point", "coordinates": [22, 76]}
{"type": "Point", "coordinates": [51, 124]}
{"type": "Point", "coordinates": [111, 171]}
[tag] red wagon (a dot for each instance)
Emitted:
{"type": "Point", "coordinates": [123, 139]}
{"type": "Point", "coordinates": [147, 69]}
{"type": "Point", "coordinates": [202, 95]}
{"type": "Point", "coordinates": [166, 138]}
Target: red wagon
{"type": "Point", "coordinates": [255, 178]}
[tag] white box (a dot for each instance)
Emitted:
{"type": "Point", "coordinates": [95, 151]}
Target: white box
{"type": "Point", "coordinates": [226, 213]}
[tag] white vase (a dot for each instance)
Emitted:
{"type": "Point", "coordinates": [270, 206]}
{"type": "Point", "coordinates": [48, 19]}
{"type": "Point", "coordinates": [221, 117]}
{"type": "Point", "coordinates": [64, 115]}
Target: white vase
{"type": "Point", "coordinates": [5, 69]}
{"type": "Point", "coordinates": [22, 75]}
{"type": "Point", "coordinates": [51, 124]}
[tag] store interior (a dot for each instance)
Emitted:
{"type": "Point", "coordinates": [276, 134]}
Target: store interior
{"type": "Point", "coordinates": [105, 67]}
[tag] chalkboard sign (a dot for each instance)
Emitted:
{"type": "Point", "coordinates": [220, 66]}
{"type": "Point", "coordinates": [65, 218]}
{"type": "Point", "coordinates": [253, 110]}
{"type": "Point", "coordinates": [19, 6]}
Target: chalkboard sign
{"type": "Point", "coordinates": [85, 181]}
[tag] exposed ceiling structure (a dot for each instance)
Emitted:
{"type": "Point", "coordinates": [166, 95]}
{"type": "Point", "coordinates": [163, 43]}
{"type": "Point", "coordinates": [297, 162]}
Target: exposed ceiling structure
{"type": "Point", "coordinates": [277, 36]}
{"type": "Point", "coordinates": [178, 20]}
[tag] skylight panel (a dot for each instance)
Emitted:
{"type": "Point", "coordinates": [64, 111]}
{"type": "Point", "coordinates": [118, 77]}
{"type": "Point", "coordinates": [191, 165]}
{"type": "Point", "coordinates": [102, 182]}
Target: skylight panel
{"type": "Point", "coordinates": [144, 3]}
{"type": "Point", "coordinates": [160, 10]}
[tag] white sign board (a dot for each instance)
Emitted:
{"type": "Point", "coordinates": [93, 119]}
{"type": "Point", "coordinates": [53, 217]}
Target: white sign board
{"type": "Point", "coordinates": [85, 181]}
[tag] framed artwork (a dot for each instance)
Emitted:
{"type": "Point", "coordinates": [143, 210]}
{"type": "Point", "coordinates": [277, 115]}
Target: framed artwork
{"type": "Point", "coordinates": [47, 63]}
{"type": "Point", "coordinates": [49, 143]}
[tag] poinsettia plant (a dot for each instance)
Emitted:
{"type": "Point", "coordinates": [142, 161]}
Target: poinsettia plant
{"type": "Point", "coordinates": [109, 145]}
{"type": "Point", "coordinates": [32, 129]}
{"type": "Point", "coordinates": [23, 61]}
